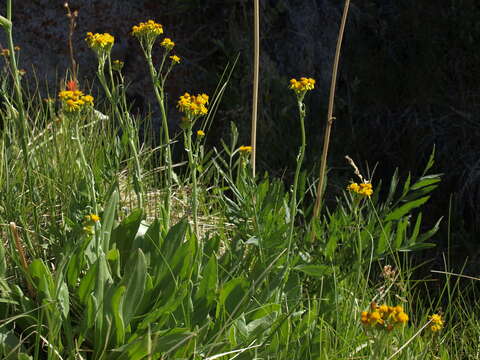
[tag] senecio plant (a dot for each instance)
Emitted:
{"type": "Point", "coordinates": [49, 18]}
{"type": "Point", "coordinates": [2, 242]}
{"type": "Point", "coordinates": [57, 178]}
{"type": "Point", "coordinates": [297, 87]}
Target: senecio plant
{"type": "Point", "coordinates": [300, 88]}
{"type": "Point", "coordinates": [147, 33]}
{"type": "Point", "coordinates": [193, 107]}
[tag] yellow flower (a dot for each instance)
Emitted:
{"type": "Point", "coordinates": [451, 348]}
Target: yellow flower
{"type": "Point", "coordinates": [200, 133]}
{"type": "Point", "coordinates": [402, 318]}
{"type": "Point", "coordinates": [437, 322]}
{"type": "Point", "coordinates": [168, 44]}
{"type": "Point", "coordinates": [75, 100]}
{"type": "Point", "coordinates": [303, 85]}
{"type": "Point", "coordinates": [245, 149]}
{"type": "Point", "coordinates": [92, 217]}
{"type": "Point", "coordinates": [100, 42]}
{"type": "Point", "coordinates": [149, 29]}
{"type": "Point", "coordinates": [193, 106]}
{"type": "Point", "coordinates": [175, 59]}
{"type": "Point", "coordinates": [364, 189]}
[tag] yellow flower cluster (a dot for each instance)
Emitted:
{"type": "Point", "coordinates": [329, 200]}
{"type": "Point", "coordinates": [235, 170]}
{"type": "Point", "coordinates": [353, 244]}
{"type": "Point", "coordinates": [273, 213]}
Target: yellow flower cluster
{"type": "Point", "coordinates": [362, 188]}
{"type": "Point", "coordinates": [245, 149]}
{"type": "Point", "coordinates": [147, 29]}
{"type": "Point", "coordinates": [167, 43]}
{"type": "Point", "coordinates": [384, 316]}
{"type": "Point", "coordinates": [100, 42]}
{"type": "Point", "coordinates": [92, 217]}
{"type": "Point", "coordinates": [302, 85]}
{"type": "Point", "coordinates": [192, 105]}
{"type": "Point", "coordinates": [437, 323]}
{"type": "Point", "coordinates": [175, 59]}
{"type": "Point", "coordinates": [74, 100]}
{"type": "Point", "coordinates": [200, 133]}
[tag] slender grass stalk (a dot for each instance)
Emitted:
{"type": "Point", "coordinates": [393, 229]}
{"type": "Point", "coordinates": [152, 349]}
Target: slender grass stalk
{"type": "Point", "coordinates": [22, 124]}
{"type": "Point", "coordinates": [256, 67]}
{"type": "Point", "coordinates": [330, 117]}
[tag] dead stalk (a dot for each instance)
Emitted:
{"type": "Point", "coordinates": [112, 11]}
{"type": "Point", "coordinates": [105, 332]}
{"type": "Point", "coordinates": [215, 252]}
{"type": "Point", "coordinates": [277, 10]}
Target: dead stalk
{"type": "Point", "coordinates": [330, 117]}
{"type": "Point", "coordinates": [256, 67]}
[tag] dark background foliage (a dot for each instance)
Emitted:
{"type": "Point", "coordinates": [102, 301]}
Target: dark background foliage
{"type": "Point", "coordinates": [408, 81]}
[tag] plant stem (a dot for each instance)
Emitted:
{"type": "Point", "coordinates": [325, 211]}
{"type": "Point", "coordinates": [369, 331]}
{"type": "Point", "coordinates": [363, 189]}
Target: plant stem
{"type": "Point", "coordinates": [193, 174]}
{"type": "Point", "coordinates": [22, 118]}
{"type": "Point", "coordinates": [330, 117]}
{"type": "Point", "coordinates": [159, 94]}
{"type": "Point", "coordinates": [301, 154]}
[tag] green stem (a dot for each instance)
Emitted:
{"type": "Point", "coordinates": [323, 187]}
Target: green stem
{"type": "Point", "coordinates": [126, 125]}
{"type": "Point", "coordinates": [22, 118]}
{"type": "Point", "coordinates": [87, 169]}
{"type": "Point", "coordinates": [301, 154]}
{"type": "Point", "coordinates": [193, 174]}
{"type": "Point", "coordinates": [160, 96]}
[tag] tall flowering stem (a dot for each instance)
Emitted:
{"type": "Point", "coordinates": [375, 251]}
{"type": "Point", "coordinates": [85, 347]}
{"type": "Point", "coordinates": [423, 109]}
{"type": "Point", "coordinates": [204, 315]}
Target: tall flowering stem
{"type": "Point", "coordinates": [102, 45]}
{"type": "Point", "coordinates": [147, 33]}
{"type": "Point", "coordinates": [300, 87]}
{"type": "Point", "coordinates": [193, 107]}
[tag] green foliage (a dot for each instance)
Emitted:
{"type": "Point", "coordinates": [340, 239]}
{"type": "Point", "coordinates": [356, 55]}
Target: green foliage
{"type": "Point", "coordinates": [106, 264]}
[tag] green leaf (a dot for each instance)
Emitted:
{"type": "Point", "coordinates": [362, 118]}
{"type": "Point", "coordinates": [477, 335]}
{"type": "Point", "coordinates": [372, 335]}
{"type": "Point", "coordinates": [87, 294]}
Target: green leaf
{"type": "Point", "coordinates": [108, 221]}
{"type": "Point", "coordinates": [314, 270]}
{"type": "Point", "coordinates": [208, 285]}
{"type": "Point", "coordinates": [400, 235]}
{"type": "Point", "coordinates": [426, 181]}
{"type": "Point", "coordinates": [87, 284]}
{"type": "Point", "coordinates": [427, 235]}
{"type": "Point", "coordinates": [117, 304]}
{"type": "Point", "coordinates": [134, 281]}
{"type": "Point", "coordinates": [231, 295]}
{"type": "Point", "coordinates": [42, 278]}
{"type": "Point", "coordinates": [64, 299]}
{"type": "Point", "coordinates": [124, 234]}
{"type": "Point", "coordinates": [417, 247]}
{"type": "Point", "coordinates": [168, 340]}
{"type": "Point", "coordinates": [416, 229]}
{"type": "Point", "coordinates": [406, 208]}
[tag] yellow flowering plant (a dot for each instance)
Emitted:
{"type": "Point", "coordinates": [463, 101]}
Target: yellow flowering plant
{"type": "Point", "coordinates": [147, 32]}
{"type": "Point", "coordinates": [193, 107]}
{"type": "Point", "coordinates": [75, 100]}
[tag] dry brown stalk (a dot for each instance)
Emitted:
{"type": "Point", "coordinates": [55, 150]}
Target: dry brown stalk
{"type": "Point", "coordinates": [21, 254]}
{"type": "Point", "coordinates": [330, 117]}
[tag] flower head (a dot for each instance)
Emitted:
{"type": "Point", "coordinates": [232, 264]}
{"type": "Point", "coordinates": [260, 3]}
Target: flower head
{"type": "Point", "coordinates": [437, 323]}
{"type": "Point", "coordinates": [100, 42]}
{"type": "Point", "coordinates": [383, 317]}
{"type": "Point", "coordinates": [364, 189]}
{"type": "Point", "coordinates": [92, 217]}
{"type": "Point", "coordinates": [193, 106]}
{"type": "Point", "coordinates": [245, 149]}
{"type": "Point", "coordinates": [74, 100]}
{"type": "Point", "coordinates": [175, 59]}
{"type": "Point", "coordinates": [302, 86]}
{"type": "Point", "coordinates": [168, 44]}
{"type": "Point", "coordinates": [200, 133]}
{"type": "Point", "coordinates": [147, 30]}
